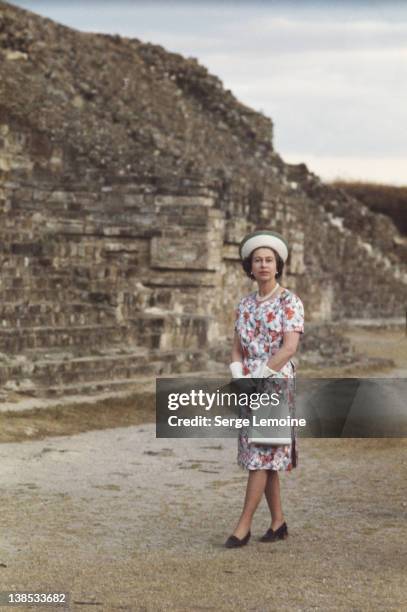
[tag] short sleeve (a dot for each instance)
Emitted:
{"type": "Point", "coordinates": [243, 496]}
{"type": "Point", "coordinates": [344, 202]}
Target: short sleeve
{"type": "Point", "coordinates": [293, 314]}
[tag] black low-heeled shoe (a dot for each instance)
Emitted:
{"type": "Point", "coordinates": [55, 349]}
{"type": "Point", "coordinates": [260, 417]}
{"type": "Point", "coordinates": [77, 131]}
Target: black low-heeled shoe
{"type": "Point", "coordinates": [279, 534]}
{"type": "Point", "coordinates": [234, 542]}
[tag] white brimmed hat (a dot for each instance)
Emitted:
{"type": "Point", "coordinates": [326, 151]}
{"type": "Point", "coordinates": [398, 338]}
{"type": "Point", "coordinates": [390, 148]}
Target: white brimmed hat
{"type": "Point", "coordinates": [263, 238]}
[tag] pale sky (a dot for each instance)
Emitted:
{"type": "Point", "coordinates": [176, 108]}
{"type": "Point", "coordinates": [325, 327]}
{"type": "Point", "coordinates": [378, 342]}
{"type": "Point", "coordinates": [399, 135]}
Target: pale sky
{"type": "Point", "coordinates": [331, 75]}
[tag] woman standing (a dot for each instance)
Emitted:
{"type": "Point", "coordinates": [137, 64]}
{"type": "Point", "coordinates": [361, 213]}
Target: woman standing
{"type": "Point", "coordinates": [267, 331]}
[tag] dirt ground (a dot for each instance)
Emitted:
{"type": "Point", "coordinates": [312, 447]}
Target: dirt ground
{"type": "Point", "coordinates": [124, 521]}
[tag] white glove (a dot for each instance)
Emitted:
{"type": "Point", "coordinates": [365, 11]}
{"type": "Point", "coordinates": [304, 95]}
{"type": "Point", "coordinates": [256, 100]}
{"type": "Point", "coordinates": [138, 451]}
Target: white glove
{"type": "Point", "coordinates": [263, 371]}
{"type": "Point", "coordinates": [237, 369]}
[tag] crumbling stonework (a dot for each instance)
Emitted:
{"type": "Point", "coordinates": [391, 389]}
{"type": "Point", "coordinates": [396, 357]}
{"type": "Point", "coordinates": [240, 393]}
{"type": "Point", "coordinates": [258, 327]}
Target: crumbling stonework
{"type": "Point", "coordinates": [128, 177]}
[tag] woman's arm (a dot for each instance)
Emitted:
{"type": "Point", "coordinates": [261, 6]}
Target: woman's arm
{"type": "Point", "coordinates": [237, 354]}
{"type": "Point", "coordinates": [285, 352]}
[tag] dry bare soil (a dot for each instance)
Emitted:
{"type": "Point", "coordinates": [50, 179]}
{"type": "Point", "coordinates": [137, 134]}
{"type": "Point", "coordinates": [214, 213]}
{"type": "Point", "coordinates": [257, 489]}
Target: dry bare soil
{"type": "Point", "coordinates": [124, 521]}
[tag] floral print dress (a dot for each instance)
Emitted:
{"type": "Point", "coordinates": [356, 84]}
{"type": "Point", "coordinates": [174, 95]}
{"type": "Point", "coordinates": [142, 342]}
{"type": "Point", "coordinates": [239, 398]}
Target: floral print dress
{"type": "Point", "coordinates": [260, 327]}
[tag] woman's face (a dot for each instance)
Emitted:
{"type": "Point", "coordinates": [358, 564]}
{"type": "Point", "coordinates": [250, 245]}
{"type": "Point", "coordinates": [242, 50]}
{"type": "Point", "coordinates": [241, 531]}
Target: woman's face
{"type": "Point", "coordinates": [264, 264]}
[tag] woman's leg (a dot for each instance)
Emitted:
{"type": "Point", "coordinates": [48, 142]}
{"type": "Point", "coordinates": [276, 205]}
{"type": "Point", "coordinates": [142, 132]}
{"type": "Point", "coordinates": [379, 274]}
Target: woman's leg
{"type": "Point", "coordinates": [272, 493]}
{"type": "Point", "coordinates": [256, 484]}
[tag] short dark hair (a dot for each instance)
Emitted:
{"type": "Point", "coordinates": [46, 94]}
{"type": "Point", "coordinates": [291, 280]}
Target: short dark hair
{"type": "Point", "coordinates": [247, 264]}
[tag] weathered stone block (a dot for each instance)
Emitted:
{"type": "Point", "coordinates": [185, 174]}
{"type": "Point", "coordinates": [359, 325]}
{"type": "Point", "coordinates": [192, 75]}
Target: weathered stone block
{"type": "Point", "coordinates": [180, 200]}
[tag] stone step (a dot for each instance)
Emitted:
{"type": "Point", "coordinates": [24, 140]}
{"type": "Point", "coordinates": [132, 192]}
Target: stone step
{"type": "Point", "coordinates": [34, 295]}
{"type": "Point", "coordinates": [75, 248]}
{"type": "Point", "coordinates": [59, 319]}
{"type": "Point", "coordinates": [15, 340]}
{"type": "Point", "coordinates": [33, 307]}
{"type": "Point", "coordinates": [9, 235]}
{"type": "Point", "coordinates": [43, 283]}
{"type": "Point", "coordinates": [49, 281]}
{"type": "Point", "coordinates": [68, 370]}
{"type": "Point", "coordinates": [35, 269]}
{"type": "Point", "coordinates": [75, 272]}
{"type": "Point", "coordinates": [88, 388]}
{"type": "Point", "coordinates": [24, 247]}
{"type": "Point", "coordinates": [56, 314]}
{"type": "Point", "coordinates": [81, 248]}
{"type": "Point", "coordinates": [69, 224]}
{"type": "Point", "coordinates": [95, 372]}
